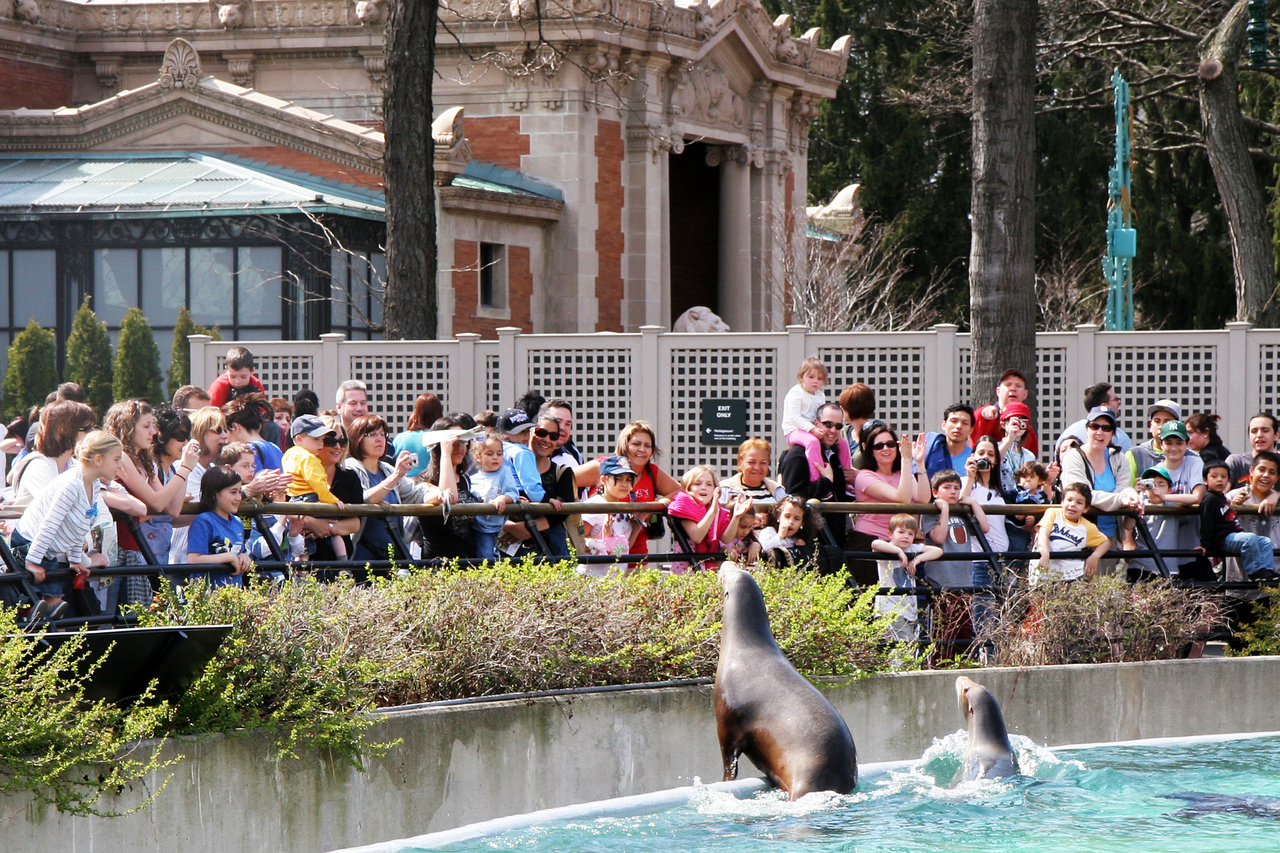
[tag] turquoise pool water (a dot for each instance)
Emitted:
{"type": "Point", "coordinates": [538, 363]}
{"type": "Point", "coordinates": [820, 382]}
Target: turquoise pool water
{"type": "Point", "coordinates": [1100, 798]}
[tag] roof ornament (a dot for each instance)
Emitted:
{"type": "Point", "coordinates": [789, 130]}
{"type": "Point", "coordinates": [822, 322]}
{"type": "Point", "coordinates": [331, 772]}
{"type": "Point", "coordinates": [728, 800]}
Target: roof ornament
{"type": "Point", "coordinates": [181, 66]}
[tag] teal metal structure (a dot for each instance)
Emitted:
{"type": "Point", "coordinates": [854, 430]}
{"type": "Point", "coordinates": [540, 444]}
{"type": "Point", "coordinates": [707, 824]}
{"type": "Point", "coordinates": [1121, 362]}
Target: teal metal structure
{"type": "Point", "coordinates": [1122, 239]}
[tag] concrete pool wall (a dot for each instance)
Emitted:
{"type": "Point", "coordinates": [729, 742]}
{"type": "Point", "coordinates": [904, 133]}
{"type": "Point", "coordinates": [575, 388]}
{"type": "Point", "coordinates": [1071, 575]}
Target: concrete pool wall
{"type": "Point", "coordinates": [462, 763]}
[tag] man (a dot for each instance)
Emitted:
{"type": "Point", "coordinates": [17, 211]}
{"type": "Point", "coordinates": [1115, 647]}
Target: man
{"type": "Point", "coordinates": [949, 449]}
{"type": "Point", "coordinates": [1150, 453]}
{"type": "Point", "coordinates": [1012, 388]}
{"type": "Point", "coordinates": [562, 410]}
{"type": "Point", "coordinates": [352, 401]}
{"type": "Point", "coordinates": [1102, 394]}
{"type": "Point", "coordinates": [1262, 436]}
{"type": "Point", "coordinates": [829, 485]}
{"type": "Point", "coordinates": [190, 398]}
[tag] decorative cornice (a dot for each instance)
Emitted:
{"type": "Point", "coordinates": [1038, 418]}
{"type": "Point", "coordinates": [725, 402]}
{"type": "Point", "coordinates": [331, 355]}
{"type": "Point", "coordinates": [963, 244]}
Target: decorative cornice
{"type": "Point", "coordinates": [181, 66]}
{"type": "Point", "coordinates": [535, 209]}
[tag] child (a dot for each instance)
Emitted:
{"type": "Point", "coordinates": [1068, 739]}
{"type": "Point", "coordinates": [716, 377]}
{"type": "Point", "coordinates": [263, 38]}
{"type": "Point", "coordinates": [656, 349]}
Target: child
{"type": "Point", "coordinates": [310, 483]}
{"type": "Point", "coordinates": [1221, 532]}
{"type": "Point", "coordinates": [495, 483]}
{"type": "Point", "coordinates": [1263, 475]}
{"type": "Point", "coordinates": [1066, 529]}
{"type": "Point", "coordinates": [1032, 479]}
{"type": "Point", "coordinates": [608, 533]}
{"type": "Point", "coordinates": [285, 529]}
{"type": "Point", "coordinates": [800, 413]}
{"type": "Point", "coordinates": [787, 525]}
{"type": "Point", "coordinates": [217, 535]}
{"type": "Point", "coordinates": [745, 549]}
{"type": "Point", "coordinates": [1155, 486]}
{"type": "Point", "coordinates": [238, 379]}
{"type": "Point", "coordinates": [951, 532]}
{"type": "Point", "coordinates": [707, 524]}
{"type": "Point", "coordinates": [900, 573]}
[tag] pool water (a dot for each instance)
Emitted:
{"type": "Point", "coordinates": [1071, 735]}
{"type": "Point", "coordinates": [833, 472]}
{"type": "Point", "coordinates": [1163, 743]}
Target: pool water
{"type": "Point", "coordinates": [1097, 798]}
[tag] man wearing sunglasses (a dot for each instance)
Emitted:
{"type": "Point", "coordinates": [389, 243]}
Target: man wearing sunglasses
{"type": "Point", "coordinates": [829, 485]}
{"type": "Point", "coordinates": [514, 428]}
{"type": "Point", "coordinates": [949, 450]}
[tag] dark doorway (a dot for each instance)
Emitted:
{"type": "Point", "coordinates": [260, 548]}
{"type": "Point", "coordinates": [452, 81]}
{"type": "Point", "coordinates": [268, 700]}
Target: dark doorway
{"type": "Point", "coordinates": [695, 230]}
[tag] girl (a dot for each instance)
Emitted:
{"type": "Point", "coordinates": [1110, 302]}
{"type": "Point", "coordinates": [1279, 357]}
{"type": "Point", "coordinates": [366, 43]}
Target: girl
{"type": "Point", "coordinates": [800, 413]}
{"type": "Point", "coordinates": [216, 536]}
{"type": "Point", "coordinates": [50, 536]}
{"type": "Point", "coordinates": [708, 525]}
{"type": "Point", "coordinates": [638, 446]}
{"type": "Point", "coordinates": [982, 480]}
{"type": "Point", "coordinates": [611, 534]}
{"type": "Point", "coordinates": [787, 522]}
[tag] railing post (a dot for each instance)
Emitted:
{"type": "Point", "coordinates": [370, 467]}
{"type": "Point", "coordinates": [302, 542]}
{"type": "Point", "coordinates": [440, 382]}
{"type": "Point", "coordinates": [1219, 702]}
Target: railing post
{"type": "Point", "coordinates": [1237, 384]}
{"type": "Point", "coordinates": [470, 376]}
{"type": "Point", "coordinates": [943, 376]}
{"type": "Point", "coordinates": [200, 373]}
{"type": "Point", "coordinates": [331, 369]}
{"type": "Point", "coordinates": [647, 394]}
{"type": "Point", "coordinates": [510, 375]}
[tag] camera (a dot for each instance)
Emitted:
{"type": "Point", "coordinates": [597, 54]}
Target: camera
{"type": "Point", "coordinates": [983, 465]}
{"type": "Point", "coordinates": [1146, 483]}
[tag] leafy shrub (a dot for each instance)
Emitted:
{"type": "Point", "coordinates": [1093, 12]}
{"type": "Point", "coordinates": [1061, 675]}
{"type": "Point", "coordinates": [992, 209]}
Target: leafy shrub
{"type": "Point", "coordinates": [180, 355]}
{"type": "Point", "coordinates": [63, 749]}
{"type": "Point", "coordinates": [1101, 620]}
{"type": "Point", "coordinates": [1260, 633]}
{"type": "Point", "coordinates": [137, 369]}
{"type": "Point", "coordinates": [33, 371]}
{"type": "Point", "coordinates": [89, 358]}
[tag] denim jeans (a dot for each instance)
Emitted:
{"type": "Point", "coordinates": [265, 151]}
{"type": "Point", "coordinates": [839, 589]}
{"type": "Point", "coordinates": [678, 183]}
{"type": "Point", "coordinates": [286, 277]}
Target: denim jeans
{"type": "Point", "coordinates": [1254, 551]}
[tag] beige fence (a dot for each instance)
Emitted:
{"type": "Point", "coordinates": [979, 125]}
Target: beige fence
{"type": "Point", "coordinates": [663, 377]}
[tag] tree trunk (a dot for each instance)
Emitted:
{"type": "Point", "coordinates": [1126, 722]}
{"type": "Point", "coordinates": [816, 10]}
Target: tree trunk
{"type": "Point", "coordinates": [410, 299]}
{"type": "Point", "coordinates": [1002, 295]}
{"type": "Point", "coordinates": [1233, 168]}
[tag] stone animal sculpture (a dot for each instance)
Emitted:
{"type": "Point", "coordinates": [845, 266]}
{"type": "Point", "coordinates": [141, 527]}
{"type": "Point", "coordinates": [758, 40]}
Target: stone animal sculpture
{"type": "Point", "coordinates": [699, 318]}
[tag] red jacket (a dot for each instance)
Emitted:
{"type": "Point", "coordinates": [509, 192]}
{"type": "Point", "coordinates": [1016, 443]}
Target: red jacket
{"type": "Point", "coordinates": [220, 390]}
{"type": "Point", "coordinates": [986, 422]}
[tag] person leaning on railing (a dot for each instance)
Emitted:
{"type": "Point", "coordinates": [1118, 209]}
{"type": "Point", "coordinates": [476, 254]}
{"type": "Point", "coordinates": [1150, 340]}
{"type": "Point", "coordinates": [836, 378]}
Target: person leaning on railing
{"type": "Point", "coordinates": [1102, 467]}
{"type": "Point", "coordinates": [445, 482]}
{"type": "Point", "coordinates": [886, 477]}
{"type": "Point", "coordinates": [557, 485]}
{"type": "Point", "coordinates": [380, 482]}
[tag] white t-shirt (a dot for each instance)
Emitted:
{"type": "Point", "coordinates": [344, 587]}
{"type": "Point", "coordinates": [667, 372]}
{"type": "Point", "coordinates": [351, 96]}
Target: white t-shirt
{"type": "Point", "coordinates": [1064, 535]}
{"type": "Point", "coordinates": [996, 535]}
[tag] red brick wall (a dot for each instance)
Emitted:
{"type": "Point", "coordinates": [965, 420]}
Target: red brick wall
{"type": "Point", "coordinates": [33, 85]}
{"type": "Point", "coordinates": [288, 158]}
{"type": "Point", "coordinates": [497, 140]}
{"type": "Point", "coordinates": [466, 290]}
{"type": "Point", "coordinates": [609, 244]}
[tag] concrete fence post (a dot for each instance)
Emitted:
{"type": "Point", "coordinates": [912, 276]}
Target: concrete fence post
{"type": "Point", "coordinates": [943, 373]}
{"type": "Point", "coordinates": [467, 393]}
{"type": "Point", "coordinates": [202, 374]}
{"type": "Point", "coordinates": [331, 371]}
{"type": "Point", "coordinates": [1237, 390]}
{"type": "Point", "coordinates": [511, 374]}
{"type": "Point", "coordinates": [796, 351]}
{"type": "Point", "coordinates": [647, 394]}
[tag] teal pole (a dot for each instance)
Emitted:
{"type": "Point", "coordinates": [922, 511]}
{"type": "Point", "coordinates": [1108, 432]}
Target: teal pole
{"type": "Point", "coordinates": [1122, 239]}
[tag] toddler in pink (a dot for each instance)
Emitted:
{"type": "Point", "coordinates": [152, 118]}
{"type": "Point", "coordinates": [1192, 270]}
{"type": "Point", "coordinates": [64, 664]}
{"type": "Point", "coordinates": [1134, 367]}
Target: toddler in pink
{"type": "Point", "coordinates": [800, 413]}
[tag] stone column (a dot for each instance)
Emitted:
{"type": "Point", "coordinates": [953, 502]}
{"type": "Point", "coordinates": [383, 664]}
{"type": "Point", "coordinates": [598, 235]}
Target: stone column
{"type": "Point", "coordinates": [737, 284]}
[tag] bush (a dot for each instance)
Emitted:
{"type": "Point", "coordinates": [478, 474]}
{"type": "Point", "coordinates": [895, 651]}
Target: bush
{"type": "Point", "coordinates": [307, 660]}
{"type": "Point", "coordinates": [89, 358]}
{"type": "Point", "coordinates": [1101, 620]}
{"type": "Point", "coordinates": [137, 370]}
{"type": "Point", "coordinates": [33, 370]}
{"type": "Point", "coordinates": [180, 355]}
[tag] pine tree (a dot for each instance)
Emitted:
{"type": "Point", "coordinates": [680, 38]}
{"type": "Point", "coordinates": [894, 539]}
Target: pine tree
{"type": "Point", "coordinates": [180, 355]}
{"type": "Point", "coordinates": [89, 358]}
{"type": "Point", "coordinates": [32, 372]}
{"type": "Point", "coordinates": [137, 371]}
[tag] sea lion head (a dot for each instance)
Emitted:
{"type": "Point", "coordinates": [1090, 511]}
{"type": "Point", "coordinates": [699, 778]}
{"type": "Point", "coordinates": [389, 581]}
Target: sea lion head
{"type": "Point", "coordinates": [745, 618]}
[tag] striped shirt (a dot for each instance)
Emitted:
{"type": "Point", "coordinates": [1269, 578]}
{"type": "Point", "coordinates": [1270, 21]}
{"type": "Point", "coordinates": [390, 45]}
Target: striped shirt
{"type": "Point", "coordinates": [58, 520]}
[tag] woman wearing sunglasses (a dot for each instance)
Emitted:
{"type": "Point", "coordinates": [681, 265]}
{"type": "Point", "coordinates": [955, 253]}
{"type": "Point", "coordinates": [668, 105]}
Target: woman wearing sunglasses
{"type": "Point", "coordinates": [379, 481]}
{"type": "Point", "coordinates": [1100, 464]}
{"type": "Point", "coordinates": [886, 477]}
{"type": "Point", "coordinates": [558, 485]}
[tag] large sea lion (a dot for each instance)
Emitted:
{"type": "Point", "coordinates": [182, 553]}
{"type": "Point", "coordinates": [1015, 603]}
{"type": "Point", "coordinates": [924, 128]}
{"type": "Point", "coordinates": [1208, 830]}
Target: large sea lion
{"type": "Point", "coordinates": [767, 711]}
{"type": "Point", "coordinates": [989, 755]}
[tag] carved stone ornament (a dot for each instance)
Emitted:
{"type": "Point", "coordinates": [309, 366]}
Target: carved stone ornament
{"type": "Point", "coordinates": [701, 94]}
{"type": "Point", "coordinates": [108, 70]}
{"type": "Point", "coordinates": [452, 150]}
{"type": "Point", "coordinates": [240, 67]}
{"type": "Point", "coordinates": [784, 48]}
{"type": "Point", "coordinates": [26, 10]}
{"type": "Point", "coordinates": [181, 66]}
{"type": "Point", "coordinates": [371, 12]}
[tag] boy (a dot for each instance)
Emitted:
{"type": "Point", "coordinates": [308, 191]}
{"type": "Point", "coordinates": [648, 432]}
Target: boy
{"type": "Point", "coordinates": [1032, 477]}
{"type": "Point", "coordinates": [1066, 529]}
{"type": "Point", "coordinates": [1155, 485]}
{"type": "Point", "coordinates": [611, 534]}
{"type": "Point", "coordinates": [238, 379]}
{"type": "Point", "coordinates": [287, 529]}
{"type": "Point", "coordinates": [492, 483]}
{"type": "Point", "coordinates": [900, 573]}
{"type": "Point", "coordinates": [310, 484]}
{"type": "Point", "coordinates": [1221, 532]}
{"type": "Point", "coordinates": [1263, 473]}
{"type": "Point", "coordinates": [951, 533]}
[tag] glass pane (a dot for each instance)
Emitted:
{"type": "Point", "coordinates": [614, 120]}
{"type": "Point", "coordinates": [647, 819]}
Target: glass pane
{"type": "Point", "coordinates": [164, 342]}
{"type": "Point", "coordinates": [35, 287]}
{"type": "Point", "coordinates": [339, 271]}
{"type": "Point", "coordinates": [359, 295]}
{"type": "Point", "coordinates": [212, 290]}
{"type": "Point", "coordinates": [377, 287]}
{"type": "Point", "coordinates": [4, 347]}
{"type": "Point", "coordinates": [259, 285]}
{"type": "Point", "coordinates": [4, 288]}
{"type": "Point", "coordinates": [115, 283]}
{"type": "Point", "coordinates": [164, 278]}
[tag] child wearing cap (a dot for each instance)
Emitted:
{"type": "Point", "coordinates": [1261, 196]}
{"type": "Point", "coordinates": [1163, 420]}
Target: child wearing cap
{"type": "Point", "coordinates": [610, 534]}
{"type": "Point", "coordinates": [1184, 471]}
{"type": "Point", "coordinates": [310, 484]}
{"type": "Point", "coordinates": [1015, 420]}
{"type": "Point", "coordinates": [1220, 531]}
{"type": "Point", "coordinates": [514, 426]}
{"type": "Point", "coordinates": [1155, 486]}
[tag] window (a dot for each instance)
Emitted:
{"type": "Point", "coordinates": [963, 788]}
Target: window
{"type": "Point", "coordinates": [28, 285]}
{"type": "Point", "coordinates": [356, 288]}
{"type": "Point", "coordinates": [493, 276]}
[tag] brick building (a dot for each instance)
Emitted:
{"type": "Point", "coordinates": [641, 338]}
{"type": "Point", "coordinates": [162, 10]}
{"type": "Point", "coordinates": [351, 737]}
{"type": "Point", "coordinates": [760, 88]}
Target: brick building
{"type": "Point", "coordinates": [603, 164]}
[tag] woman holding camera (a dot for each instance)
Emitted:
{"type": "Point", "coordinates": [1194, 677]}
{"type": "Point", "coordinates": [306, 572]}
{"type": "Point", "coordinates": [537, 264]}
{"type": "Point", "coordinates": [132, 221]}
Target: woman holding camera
{"type": "Point", "coordinates": [982, 480]}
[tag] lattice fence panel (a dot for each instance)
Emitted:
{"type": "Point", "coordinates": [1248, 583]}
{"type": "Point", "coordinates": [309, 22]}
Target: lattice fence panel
{"type": "Point", "coordinates": [281, 375]}
{"type": "Point", "coordinates": [1269, 378]}
{"type": "Point", "coordinates": [395, 381]}
{"type": "Point", "coordinates": [896, 374]}
{"type": "Point", "coordinates": [697, 374]}
{"type": "Point", "coordinates": [493, 384]}
{"type": "Point", "coordinates": [1142, 375]}
{"type": "Point", "coordinates": [597, 383]}
{"type": "Point", "coordinates": [964, 383]}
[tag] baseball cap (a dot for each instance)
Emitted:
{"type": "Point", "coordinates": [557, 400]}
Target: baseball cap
{"type": "Point", "coordinates": [1158, 471]}
{"type": "Point", "coordinates": [1177, 428]}
{"type": "Point", "coordinates": [514, 421]}
{"type": "Point", "coordinates": [1013, 372]}
{"type": "Point", "coordinates": [1170, 406]}
{"type": "Point", "coordinates": [308, 425]}
{"type": "Point", "coordinates": [1016, 410]}
{"type": "Point", "coordinates": [1101, 412]}
{"type": "Point", "coordinates": [614, 465]}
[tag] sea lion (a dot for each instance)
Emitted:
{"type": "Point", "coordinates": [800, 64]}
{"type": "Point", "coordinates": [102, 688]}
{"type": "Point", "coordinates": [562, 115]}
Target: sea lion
{"type": "Point", "coordinates": [989, 755]}
{"type": "Point", "coordinates": [767, 711]}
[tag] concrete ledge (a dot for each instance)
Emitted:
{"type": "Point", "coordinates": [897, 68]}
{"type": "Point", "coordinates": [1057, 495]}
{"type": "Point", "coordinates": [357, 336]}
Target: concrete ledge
{"type": "Point", "coordinates": [461, 764]}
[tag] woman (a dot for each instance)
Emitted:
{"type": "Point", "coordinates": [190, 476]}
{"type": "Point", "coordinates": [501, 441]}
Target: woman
{"type": "Point", "coordinates": [884, 479]}
{"type": "Point", "coordinates": [209, 432]}
{"type": "Point", "coordinates": [379, 482]}
{"type": "Point", "coordinates": [1100, 464]}
{"type": "Point", "coordinates": [557, 485]}
{"type": "Point", "coordinates": [982, 480]}
{"type": "Point", "coordinates": [1203, 438]}
{"type": "Point", "coordinates": [427, 409]}
{"type": "Point", "coordinates": [859, 404]}
{"type": "Point", "coordinates": [345, 486]}
{"type": "Point", "coordinates": [62, 425]}
{"type": "Point", "coordinates": [638, 444]}
{"type": "Point", "coordinates": [445, 482]}
{"type": "Point", "coordinates": [753, 478]}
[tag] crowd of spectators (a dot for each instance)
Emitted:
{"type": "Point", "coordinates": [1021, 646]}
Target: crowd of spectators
{"type": "Point", "coordinates": [217, 446]}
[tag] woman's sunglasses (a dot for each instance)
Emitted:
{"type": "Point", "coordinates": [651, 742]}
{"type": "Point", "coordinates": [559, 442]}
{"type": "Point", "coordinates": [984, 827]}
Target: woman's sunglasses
{"type": "Point", "coordinates": [546, 433]}
{"type": "Point", "coordinates": [335, 441]}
